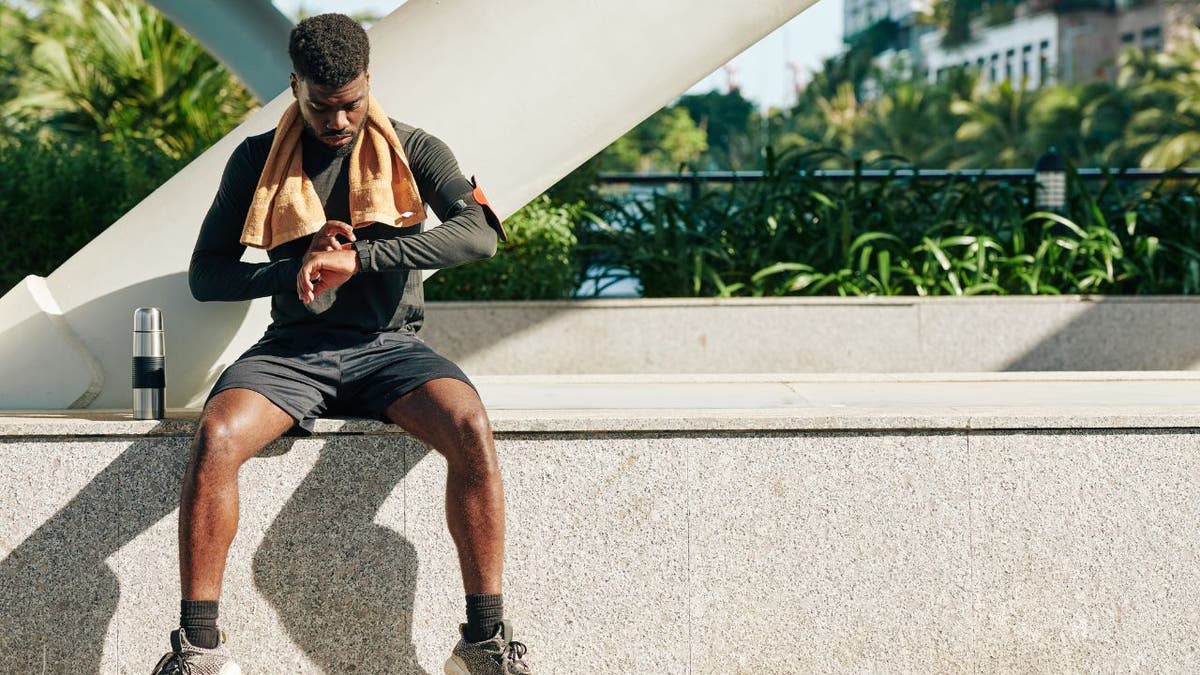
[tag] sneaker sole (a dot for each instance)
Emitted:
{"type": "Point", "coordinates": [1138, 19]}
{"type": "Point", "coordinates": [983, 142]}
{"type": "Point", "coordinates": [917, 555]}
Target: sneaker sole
{"type": "Point", "coordinates": [229, 668]}
{"type": "Point", "coordinates": [456, 666]}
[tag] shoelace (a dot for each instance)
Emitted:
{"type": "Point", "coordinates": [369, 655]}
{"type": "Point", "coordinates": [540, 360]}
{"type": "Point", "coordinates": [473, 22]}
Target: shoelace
{"type": "Point", "coordinates": [175, 664]}
{"type": "Point", "coordinates": [515, 652]}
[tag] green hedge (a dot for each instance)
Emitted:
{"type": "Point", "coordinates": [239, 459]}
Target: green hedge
{"type": "Point", "coordinates": [55, 199]}
{"type": "Point", "coordinates": [793, 234]}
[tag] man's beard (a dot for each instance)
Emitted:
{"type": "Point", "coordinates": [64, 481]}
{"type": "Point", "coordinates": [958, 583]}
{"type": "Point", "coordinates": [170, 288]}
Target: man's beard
{"type": "Point", "coordinates": [342, 151]}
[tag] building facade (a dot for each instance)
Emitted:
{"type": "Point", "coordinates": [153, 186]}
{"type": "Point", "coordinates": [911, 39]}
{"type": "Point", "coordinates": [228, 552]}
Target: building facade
{"type": "Point", "coordinates": [1045, 41]}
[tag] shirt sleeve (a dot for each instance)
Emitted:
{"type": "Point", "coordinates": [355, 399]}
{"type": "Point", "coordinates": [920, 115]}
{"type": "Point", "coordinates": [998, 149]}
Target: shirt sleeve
{"type": "Point", "coordinates": [464, 235]}
{"type": "Point", "coordinates": [217, 271]}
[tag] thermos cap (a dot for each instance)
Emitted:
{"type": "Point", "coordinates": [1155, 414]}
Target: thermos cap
{"type": "Point", "coordinates": [146, 319]}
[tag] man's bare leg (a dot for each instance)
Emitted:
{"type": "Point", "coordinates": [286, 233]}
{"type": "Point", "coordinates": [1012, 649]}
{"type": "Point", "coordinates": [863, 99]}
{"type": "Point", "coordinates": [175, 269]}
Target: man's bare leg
{"type": "Point", "coordinates": [447, 415]}
{"type": "Point", "coordinates": [235, 425]}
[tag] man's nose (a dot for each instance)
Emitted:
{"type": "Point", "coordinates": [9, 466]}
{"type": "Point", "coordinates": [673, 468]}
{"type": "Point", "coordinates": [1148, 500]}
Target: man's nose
{"type": "Point", "coordinates": [339, 121]}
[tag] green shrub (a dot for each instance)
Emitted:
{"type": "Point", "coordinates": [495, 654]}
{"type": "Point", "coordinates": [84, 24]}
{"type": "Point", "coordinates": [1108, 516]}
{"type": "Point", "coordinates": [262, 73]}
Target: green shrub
{"type": "Point", "coordinates": [537, 263]}
{"type": "Point", "coordinates": [794, 234]}
{"type": "Point", "coordinates": [55, 198]}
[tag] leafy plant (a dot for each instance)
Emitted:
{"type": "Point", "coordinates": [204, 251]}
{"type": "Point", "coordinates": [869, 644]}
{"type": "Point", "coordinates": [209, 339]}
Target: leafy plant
{"type": "Point", "coordinates": [796, 234]}
{"type": "Point", "coordinates": [537, 263]}
{"type": "Point", "coordinates": [117, 71]}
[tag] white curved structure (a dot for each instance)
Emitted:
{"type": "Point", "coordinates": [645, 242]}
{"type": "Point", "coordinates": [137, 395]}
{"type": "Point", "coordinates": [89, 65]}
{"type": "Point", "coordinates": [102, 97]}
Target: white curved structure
{"type": "Point", "coordinates": [523, 92]}
{"type": "Point", "coordinates": [249, 36]}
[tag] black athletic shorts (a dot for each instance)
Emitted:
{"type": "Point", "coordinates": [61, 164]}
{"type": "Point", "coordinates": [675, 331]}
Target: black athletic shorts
{"type": "Point", "coordinates": [313, 374]}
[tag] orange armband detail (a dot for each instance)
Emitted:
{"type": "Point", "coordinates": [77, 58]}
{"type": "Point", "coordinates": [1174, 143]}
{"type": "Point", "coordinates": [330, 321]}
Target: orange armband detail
{"type": "Point", "coordinates": [488, 213]}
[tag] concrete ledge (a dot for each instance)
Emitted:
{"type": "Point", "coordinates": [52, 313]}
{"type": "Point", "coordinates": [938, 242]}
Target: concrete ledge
{"type": "Point", "coordinates": [833, 335]}
{"type": "Point", "coordinates": [798, 402]}
{"type": "Point", "coordinates": [651, 540]}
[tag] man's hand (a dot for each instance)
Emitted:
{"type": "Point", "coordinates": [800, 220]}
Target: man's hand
{"type": "Point", "coordinates": [325, 270]}
{"type": "Point", "coordinates": [327, 238]}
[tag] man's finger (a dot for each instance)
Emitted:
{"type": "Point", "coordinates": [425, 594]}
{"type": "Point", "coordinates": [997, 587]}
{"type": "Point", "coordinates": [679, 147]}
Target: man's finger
{"type": "Point", "coordinates": [306, 282]}
{"type": "Point", "coordinates": [344, 229]}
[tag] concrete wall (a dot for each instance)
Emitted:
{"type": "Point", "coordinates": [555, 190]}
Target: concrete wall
{"type": "Point", "coordinates": [831, 335]}
{"type": "Point", "coordinates": [790, 551]}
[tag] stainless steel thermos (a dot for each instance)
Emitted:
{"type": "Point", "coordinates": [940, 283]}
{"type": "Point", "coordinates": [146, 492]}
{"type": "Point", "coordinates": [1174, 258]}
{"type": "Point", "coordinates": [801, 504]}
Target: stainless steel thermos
{"type": "Point", "coordinates": [149, 364]}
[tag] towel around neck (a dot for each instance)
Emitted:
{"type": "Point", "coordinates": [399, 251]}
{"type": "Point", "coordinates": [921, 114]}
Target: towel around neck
{"type": "Point", "coordinates": [286, 206]}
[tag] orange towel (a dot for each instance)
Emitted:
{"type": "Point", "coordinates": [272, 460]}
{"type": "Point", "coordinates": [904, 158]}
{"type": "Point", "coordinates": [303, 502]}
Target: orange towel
{"type": "Point", "coordinates": [286, 206]}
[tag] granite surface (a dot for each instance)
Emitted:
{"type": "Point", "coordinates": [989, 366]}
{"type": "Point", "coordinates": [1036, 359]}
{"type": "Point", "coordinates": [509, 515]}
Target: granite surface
{"type": "Point", "coordinates": [908, 536]}
{"type": "Point", "coordinates": [840, 553]}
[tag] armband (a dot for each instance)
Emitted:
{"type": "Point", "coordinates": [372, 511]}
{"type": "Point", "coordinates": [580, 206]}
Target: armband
{"type": "Point", "coordinates": [488, 213]}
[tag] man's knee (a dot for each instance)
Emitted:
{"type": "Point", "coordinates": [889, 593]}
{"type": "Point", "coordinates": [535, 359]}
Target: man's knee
{"type": "Point", "coordinates": [473, 450]}
{"type": "Point", "coordinates": [216, 449]}
{"type": "Point", "coordinates": [472, 425]}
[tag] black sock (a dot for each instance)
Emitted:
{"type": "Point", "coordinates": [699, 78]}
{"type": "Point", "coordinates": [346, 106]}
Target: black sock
{"type": "Point", "coordinates": [198, 618]}
{"type": "Point", "coordinates": [484, 613]}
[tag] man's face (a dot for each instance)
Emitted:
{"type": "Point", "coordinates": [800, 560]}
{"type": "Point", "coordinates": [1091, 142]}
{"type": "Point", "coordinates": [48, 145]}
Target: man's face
{"type": "Point", "coordinates": [334, 115]}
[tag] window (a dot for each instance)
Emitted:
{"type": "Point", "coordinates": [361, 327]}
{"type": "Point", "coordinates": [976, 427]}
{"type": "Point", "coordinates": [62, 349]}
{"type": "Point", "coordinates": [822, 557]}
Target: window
{"type": "Point", "coordinates": [1152, 38]}
{"type": "Point", "coordinates": [992, 69]}
{"type": "Point", "coordinates": [1027, 63]}
{"type": "Point", "coordinates": [1128, 39]}
{"type": "Point", "coordinates": [1044, 64]}
{"type": "Point", "coordinates": [1008, 64]}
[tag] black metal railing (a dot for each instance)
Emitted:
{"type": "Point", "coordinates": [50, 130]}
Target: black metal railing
{"type": "Point", "coordinates": [845, 175]}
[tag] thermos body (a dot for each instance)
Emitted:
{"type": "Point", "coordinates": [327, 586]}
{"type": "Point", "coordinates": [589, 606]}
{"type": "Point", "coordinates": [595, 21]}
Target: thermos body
{"type": "Point", "coordinates": [149, 364]}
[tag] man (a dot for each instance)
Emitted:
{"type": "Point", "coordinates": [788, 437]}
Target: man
{"type": "Point", "coordinates": [346, 301]}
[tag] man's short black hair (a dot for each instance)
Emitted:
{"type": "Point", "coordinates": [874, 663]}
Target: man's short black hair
{"type": "Point", "coordinates": [329, 49]}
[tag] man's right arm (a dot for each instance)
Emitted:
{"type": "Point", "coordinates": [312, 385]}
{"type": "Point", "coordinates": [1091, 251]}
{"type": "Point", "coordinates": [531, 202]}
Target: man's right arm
{"type": "Point", "coordinates": [217, 271]}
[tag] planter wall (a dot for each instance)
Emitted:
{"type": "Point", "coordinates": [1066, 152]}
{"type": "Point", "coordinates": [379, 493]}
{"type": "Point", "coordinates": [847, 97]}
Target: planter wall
{"type": "Point", "coordinates": [831, 335]}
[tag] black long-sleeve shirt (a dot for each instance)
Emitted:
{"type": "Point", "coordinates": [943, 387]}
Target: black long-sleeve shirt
{"type": "Point", "coordinates": [386, 294]}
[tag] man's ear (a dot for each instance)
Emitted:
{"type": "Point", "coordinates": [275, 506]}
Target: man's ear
{"type": "Point", "coordinates": [295, 87]}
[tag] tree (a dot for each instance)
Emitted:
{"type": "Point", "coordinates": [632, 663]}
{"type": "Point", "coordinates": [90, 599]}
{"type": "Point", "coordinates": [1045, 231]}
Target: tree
{"type": "Point", "coordinates": [115, 101]}
{"type": "Point", "coordinates": [118, 71]}
{"type": "Point", "coordinates": [1165, 129]}
{"type": "Point", "coordinates": [726, 120]}
{"type": "Point", "coordinates": [900, 123]}
{"type": "Point", "coordinates": [14, 46]}
{"type": "Point", "coordinates": [995, 129]}
{"type": "Point", "coordinates": [663, 142]}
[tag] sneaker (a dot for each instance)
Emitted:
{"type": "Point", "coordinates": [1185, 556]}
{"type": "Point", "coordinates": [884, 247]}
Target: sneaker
{"type": "Point", "coordinates": [188, 659]}
{"type": "Point", "coordinates": [498, 656]}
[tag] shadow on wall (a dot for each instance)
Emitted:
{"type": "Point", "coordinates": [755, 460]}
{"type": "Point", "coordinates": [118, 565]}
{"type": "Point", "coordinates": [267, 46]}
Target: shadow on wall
{"type": "Point", "coordinates": [1120, 334]}
{"type": "Point", "coordinates": [57, 592]}
{"type": "Point", "coordinates": [342, 585]}
{"type": "Point", "coordinates": [197, 334]}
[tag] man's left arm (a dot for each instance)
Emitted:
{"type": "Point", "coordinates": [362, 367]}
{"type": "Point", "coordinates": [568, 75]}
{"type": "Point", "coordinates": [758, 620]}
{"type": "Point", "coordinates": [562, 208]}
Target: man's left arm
{"type": "Point", "coordinates": [468, 231]}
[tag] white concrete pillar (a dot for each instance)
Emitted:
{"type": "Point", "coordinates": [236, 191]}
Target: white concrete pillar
{"type": "Point", "coordinates": [249, 36]}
